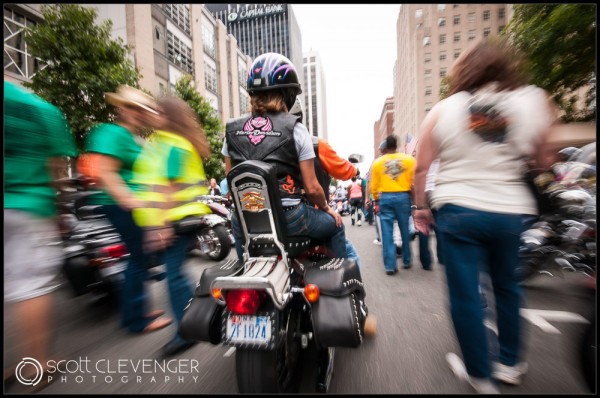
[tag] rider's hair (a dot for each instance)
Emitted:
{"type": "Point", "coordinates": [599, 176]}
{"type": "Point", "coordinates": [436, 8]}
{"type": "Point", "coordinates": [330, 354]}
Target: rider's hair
{"type": "Point", "coordinates": [272, 101]}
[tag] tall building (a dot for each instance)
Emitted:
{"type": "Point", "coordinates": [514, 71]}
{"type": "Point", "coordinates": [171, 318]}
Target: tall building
{"type": "Point", "coordinates": [430, 38]}
{"type": "Point", "coordinates": [168, 41]}
{"type": "Point", "coordinates": [384, 126]}
{"type": "Point", "coordinates": [262, 28]}
{"type": "Point", "coordinates": [315, 105]}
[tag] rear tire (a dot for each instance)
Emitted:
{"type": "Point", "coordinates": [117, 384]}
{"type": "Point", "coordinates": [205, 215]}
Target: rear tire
{"type": "Point", "coordinates": [222, 243]}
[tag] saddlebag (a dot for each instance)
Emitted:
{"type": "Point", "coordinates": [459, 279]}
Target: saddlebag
{"type": "Point", "coordinates": [202, 317]}
{"type": "Point", "coordinates": [338, 316]}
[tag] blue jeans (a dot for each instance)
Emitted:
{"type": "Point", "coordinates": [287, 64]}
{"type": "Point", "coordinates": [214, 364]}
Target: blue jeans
{"type": "Point", "coordinates": [180, 287]}
{"type": "Point", "coordinates": [394, 206]}
{"type": "Point", "coordinates": [351, 252]}
{"type": "Point", "coordinates": [424, 253]}
{"type": "Point", "coordinates": [304, 220]}
{"type": "Point", "coordinates": [133, 296]}
{"type": "Point", "coordinates": [474, 241]}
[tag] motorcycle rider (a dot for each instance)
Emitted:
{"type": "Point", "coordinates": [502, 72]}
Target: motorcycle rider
{"type": "Point", "coordinates": [267, 134]}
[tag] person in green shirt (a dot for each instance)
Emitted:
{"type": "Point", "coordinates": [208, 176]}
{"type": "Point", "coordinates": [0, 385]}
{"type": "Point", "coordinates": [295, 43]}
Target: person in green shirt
{"type": "Point", "coordinates": [36, 133]}
{"type": "Point", "coordinates": [113, 150]}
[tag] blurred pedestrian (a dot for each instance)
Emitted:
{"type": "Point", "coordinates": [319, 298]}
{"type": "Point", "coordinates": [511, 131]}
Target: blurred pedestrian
{"type": "Point", "coordinates": [272, 135]}
{"type": "Point", "coordinates": [36, 135]}
{"type": "Point", "coordinates": [170, 175]}
{"type": "Point", "coordinates": [113, 150]}
{"type": "Point", "coordinates": [491, 118]}
{"type": "Point", "coordinates": [214, 189]}
{"type": "Point", "coordinates": [391, 183]}
{"type": "Point", "coordinates": [355, 200]}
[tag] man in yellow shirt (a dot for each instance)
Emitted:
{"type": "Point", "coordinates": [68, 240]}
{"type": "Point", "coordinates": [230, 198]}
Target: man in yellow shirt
{"type": "Point", "coordinates": [392, 176]}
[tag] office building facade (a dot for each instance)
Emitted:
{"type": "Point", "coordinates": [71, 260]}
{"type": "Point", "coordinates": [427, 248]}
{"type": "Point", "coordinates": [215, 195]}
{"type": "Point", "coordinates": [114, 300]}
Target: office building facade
{"type": "Point", "coordinates": [315, 105]}
{"type": "Point", "coordinates": [430, 38]}
{"type": "Point", "coordinates": [167, 40]}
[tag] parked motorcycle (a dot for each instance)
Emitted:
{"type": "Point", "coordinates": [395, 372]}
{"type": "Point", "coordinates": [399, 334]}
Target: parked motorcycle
{"type": "Point", "coordinates": [286, 296]}
{"type": "Point", "coordinates": [214, 236]}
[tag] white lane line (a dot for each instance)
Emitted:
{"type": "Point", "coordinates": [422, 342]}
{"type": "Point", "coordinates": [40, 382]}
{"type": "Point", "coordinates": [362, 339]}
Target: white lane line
{"type": "Point", "coordinates": [540, 318]}
{"type": "Point", "coordinates": [229, 352]}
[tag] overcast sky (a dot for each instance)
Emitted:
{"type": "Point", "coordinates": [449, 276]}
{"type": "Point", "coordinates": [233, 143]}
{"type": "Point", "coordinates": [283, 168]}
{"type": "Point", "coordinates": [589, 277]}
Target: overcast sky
{"type": "Point", "coordinates": [357, 45]}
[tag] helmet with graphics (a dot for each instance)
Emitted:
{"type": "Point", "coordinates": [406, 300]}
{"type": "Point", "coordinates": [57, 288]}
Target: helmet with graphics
{"type": "Point", "coordinates": [272, 71]}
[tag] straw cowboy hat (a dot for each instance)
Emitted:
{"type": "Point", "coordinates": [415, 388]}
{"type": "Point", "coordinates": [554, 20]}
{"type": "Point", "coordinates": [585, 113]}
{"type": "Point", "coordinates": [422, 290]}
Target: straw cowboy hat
{"type": "Point", "coordinates": [127, 95]}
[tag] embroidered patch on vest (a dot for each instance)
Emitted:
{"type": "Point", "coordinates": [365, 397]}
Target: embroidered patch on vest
{"type": "Point", "coordinates": [257, 128]}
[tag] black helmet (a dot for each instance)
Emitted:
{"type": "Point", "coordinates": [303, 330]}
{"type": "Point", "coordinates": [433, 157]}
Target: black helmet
{"type": "Point", "coordinates": [274, 71]}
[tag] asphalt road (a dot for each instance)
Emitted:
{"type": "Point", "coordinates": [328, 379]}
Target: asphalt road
{"type": "Point", "coordinates": [406, 356]}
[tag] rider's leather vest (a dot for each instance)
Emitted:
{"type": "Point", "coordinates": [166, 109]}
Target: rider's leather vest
{"type": "Point", "coordinates": [268, 138]}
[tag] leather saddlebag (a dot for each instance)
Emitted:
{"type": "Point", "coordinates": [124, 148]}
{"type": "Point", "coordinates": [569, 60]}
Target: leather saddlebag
{"type": "Point", "coordinates": [338, 316]}
{"type": "Point", "coordinates": [202, 317]}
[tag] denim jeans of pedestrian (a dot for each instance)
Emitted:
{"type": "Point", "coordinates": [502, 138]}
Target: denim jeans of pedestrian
{"type": "Point", "coordinates": [180, 287]}
{"type": "Point", "coordinates": [133, 296]}
{"type": "Point", "coordinates": [394, 206]}
{"type": "Point", "coordinates": [352, 253]}
{"type": "Point", "coordinates": [475, 241]}
{"type": "Point", "coordinates": [303, 220]}
{"type": "Point", "coordinates": [424, 253]}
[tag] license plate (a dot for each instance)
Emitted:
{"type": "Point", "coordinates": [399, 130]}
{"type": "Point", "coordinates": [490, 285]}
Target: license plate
{"type": "Point", "coordinates": [113, 269]}
{"type": "Point", "coordinates": [248, 329]}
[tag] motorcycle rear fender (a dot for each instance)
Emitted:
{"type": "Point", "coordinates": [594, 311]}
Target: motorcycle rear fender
{"type": "Point", "coordinates": [212, 219]}
{"type": "Point", "coordinates": [260, 273]}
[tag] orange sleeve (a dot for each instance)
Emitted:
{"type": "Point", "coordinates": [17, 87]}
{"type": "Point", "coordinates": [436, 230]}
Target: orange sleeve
{"type": "Point", "coordinates": [333, 164]}
{"type": "Point", "coordinates": [87, 164]}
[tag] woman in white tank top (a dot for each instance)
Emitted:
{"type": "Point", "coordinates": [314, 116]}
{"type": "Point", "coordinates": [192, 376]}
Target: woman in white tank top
{"type": "Point", "coordinates": [483, 134]}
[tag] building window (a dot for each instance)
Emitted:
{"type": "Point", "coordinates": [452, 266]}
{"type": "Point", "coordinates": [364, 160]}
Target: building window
{"type": "Point", "coordinates": [426, 40]}
{"type": "Point", "coordinates": [428, 90]}
{"type": "Point", "coordinates": [208, 40]}
{"type": "Point", "coordinates": [471, 17]}
{"type": "Point", "coordinates": [427, 73]}
{"type": "Point", "coordinates": [179, 53]}
{"type": "Point", "coordinates": [456, 19]}
{"type": "Point", "coordinates": [442, 55]}
{"type": "Point", "coordinates": [17, 58]}
{"type": "Point", "coordinates": [419, 25]}
{"type": "Point", "coordinates": [486, 32]}
{"type": "Point", "coordinates": [456, 36]}
{"type": "Point", "coordinates": [210, 78]}
{"type": "Point", "coordinates": [313, 59]}
{"type": "Point", "coordinates": [501, 13]}
{"type": "Point", "coordinates": [180, 14]}
{"type": "Point", "coordinates": [442, 72]}
{"type": "Point", "coordinates": [427, 57]}
{"type": "Point", "coordinates": [442, 22]}
{"type": "Point", "coordinates": [486, 15]}
{"type": "Point", "coordinates": [442, 38]}
{"type": "Point", "coordinates": [243, 102]}
{"type": "Point", "coordinates": [471, 34]}
{"type": "Point", "coordinates": [419, 13]}
{"type": "Point", "coordinates": [441, 7]}
{"type": "Point", "coordinates": [456, 53]}
{"type": "Point", "coordinates": [500, 28]}
{"type": "Point", "coordinates": [242, 74]}
{"type": "Point", "coordinates": [428, 106]}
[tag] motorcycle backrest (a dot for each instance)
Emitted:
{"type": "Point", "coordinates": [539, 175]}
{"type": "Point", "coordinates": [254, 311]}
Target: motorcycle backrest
{"type": "Point", "coordinates": [255, 193]}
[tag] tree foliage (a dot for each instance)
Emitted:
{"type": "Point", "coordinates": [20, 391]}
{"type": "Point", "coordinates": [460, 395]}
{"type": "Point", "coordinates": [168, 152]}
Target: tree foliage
{"type": "Point", "coordinates": [209, 120]}
{"type": "Point", "coordinates": [83, 63]}
{"type": "Point", "coordinates": [559, 41]}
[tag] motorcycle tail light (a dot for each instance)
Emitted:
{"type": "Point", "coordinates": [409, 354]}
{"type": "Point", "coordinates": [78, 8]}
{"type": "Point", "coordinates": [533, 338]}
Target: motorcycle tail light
{"type": "Point", "coordinates": [244, 301]}
{"type": "Point", "coordinates": [312, 293]}
{"type": "Point", "coordinates": [114, 251]}
{"type": "Point", "coordinates": [217, 294]}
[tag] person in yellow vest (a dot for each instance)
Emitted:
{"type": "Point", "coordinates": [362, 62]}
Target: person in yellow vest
{"type": "Point", "coordinates": [171, 175]}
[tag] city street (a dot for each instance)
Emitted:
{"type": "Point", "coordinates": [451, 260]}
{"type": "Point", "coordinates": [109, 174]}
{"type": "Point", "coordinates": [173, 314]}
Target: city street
{"type": "Point", "coordinates": [407, 355]}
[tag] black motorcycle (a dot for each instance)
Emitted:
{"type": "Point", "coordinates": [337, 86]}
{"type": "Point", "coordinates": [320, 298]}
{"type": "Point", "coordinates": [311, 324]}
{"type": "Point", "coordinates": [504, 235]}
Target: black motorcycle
{"type": "Point", "coordinates": [286, 296]}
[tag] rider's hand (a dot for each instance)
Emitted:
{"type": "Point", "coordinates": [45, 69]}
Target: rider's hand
{"type": "Point", "coordinates": [336, 216]}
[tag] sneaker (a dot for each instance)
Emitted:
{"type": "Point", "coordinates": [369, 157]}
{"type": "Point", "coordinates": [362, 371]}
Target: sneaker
{"type": "Point", "coordinates": [377, 242]}
{"type": "Point", "coordinates": [509, 374]}
{"type": "Point", "coordinates": [359, 223]}
{"type": "Point", "coordinates": [480, 385]}
{"type": "Point", "coordinates": [483, 386]}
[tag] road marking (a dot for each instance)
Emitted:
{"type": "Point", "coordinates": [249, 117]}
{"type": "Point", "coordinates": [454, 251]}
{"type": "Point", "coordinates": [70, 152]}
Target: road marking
{"type": "Point", "coordinates": [229, 352]}
{"type": "Point", "coordinates": [540, 318]}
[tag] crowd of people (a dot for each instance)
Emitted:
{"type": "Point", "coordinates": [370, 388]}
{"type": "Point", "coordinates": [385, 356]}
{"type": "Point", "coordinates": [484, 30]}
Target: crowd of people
{"type": "Point", "coordinates": [451, 185]}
